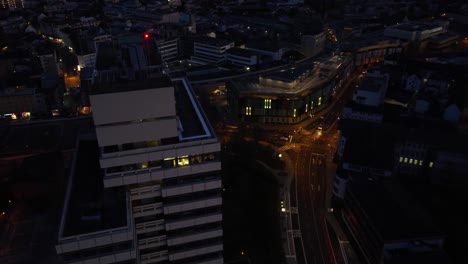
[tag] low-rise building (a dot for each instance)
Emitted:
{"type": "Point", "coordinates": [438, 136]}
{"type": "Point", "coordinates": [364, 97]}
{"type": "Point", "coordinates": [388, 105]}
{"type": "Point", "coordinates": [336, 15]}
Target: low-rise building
{"type": "Point", "coordinates": [272, 50]}
{"type": "Point", "coordinates": [290, 95]}
{"type": "Point", "coordinates": [414, 31]}
{"type": "Point", "coordinates": [368, 99]}
{"type": "Point", "coordinates": [313, 44]}
{"type": "Point", "coordinates": [208, 50]}
{"type": "Point", "coordinates": [241, 57]}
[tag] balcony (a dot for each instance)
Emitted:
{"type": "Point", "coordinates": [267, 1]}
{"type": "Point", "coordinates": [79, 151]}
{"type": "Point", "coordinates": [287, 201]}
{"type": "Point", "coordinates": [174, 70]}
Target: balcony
{"type": "Point", "coordinates": [190, 188]}
{"type": "Point", "coordinates": [145, 192]}
{"type": "Point", "coordinates": [157, 174]}
{"type": "Point", "coordinates": [194, 221]}
{"type": "Point", "coordinates": [147, 210]}
{"type": "Point", "coordinates": [151, 226]}
{"type": "Point", "coordinates": [92, 240]}
{"type": "Point", "coordinates": [192, 205]}
{"type": "Point", "coordinates": [154, 257]}
{"type": "Point", "coordinates": [110, 159]}
{"type": "Point", "coordinates": [195, 237]}
{"type": "Point", "coordinates": [151, 242]}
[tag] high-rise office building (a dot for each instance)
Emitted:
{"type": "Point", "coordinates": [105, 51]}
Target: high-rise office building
{"type": "Point", "coordinates": [154, 195]}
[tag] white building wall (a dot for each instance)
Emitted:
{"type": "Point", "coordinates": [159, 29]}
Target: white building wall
{"type": "Point", "coordinates": [136, 132]}
{"type": "Point", "coordinates": [119, 107]}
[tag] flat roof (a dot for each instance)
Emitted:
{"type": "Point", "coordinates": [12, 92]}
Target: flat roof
{"type": "Point", "coordinates": [91, 207]}
{"type": "Point", "coordinates": [193, 122]}
{"type": "Point", "coordinates": [137, 54]}
{"type": "Point", "coordinates": [392, 211]}
{"type": "Point", "coordinates": [124, 85]}
{"type": "Point", "coordinates": [241, 52]}
{"type": "Point", "coordinates": [415, 26]}
{"type": "Point", "coordinates": [291, 74]}
{"type": "Point", "coordinates": [268, 46]}
{"type": "Point", "coordinates": [212, 41]}
{"type": "Point", "coordinates": [372, 83]}
{"type": "Point", "coordinates": [332, 64]}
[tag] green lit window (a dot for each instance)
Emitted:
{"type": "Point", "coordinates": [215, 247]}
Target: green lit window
{"type": "Point", "coordinates": [411, 161]}
{"type": "Point", "coordinates": [295, 112]}
{"type": "Point", "coordinates": [401, 159]}
{"type": "Point", "coordinates": [406, 160]}
{"type": "Point", "coordinates": [306, 108]}
{"type": "Point", "coordinates": [319, 101]}
{"type": "Point", "coordinates": [420, 163]}
{"type": "Point", "coordinates": [431, 164]}
{"type": "Point", "coordinates": [267, 103]}
{"type": "Point", "coordinates": [311, 105]}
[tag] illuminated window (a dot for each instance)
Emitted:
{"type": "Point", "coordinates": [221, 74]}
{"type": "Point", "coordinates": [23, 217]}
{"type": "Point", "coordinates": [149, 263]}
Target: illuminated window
{"type": "Point", "coordinates": [311, 105]}
{"type": "Point", "coordinates": [248, 110]}
{"type": "Point", "coordinates": [420, 163]}
{"type": "Point", "coordinates": [267, 103]}
{"type": "Point", "coordinates": [183, 161]}
{"type": "Point", "coordinates": [295, 112]}
{"type": "Point", "coordinates": [431, 164]}
{"type": "Point", "coordinates": [401, 159]}
{"type": "Point", "coordinates": [306, 108]}
{"type": "Point", "coordinates": [406, 160]}
{"type": "Point", "coordinates": [319, 101]}
{"type": "Point", "coordinates": [411, 161]}
{"type": "Point", "coordinates": [143, 165]}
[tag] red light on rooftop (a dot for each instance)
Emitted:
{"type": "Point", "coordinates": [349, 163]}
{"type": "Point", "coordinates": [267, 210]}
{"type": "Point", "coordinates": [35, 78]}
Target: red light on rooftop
{"type": "Point", "coordinates": [146, 36]}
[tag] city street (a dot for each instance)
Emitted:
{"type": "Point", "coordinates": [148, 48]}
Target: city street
{"type": "Point", "coordinates": [310, 146]}
{"type": "Point", "coordinates": [311, 186]}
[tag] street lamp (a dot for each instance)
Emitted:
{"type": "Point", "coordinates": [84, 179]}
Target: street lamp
{"type": "Point", "coordinates": [280, 155]}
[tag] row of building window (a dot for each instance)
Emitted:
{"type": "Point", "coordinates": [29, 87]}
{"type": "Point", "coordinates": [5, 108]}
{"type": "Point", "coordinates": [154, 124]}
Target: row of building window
{"type": "Point", "coordinates": [415, 161]}
{"type": "Point", "coordinates": [166, 163]}
{"type": "Point", "coordinates": [267, 105]}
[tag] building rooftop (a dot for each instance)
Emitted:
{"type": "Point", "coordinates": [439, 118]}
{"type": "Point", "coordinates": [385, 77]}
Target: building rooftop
{"type": "Point", "coordinates": [292, 74]}
{"type": "Point", "coordinates": [269, 46]}
{"type": "Point", "coordinates": [133, 53]}
{"type": "Point", "coordinates": [313, 81]}
{"type": "Point", "coordinates": [194, 124]}
{"type": "Point", "coordinates": [219, 42]}
{"type": "Point", "coordinates": [112, 84]}
{"type": "Point", "coordinates": [415, 26]}
{"type": "Point", "coordinates": [240, 52]}
{"type": "Point", "coordinates": [392, 211]}
{"type": "Point", "coordinates": [373, 83]}
{"type": "Point", "coordinates": [91, 207]}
